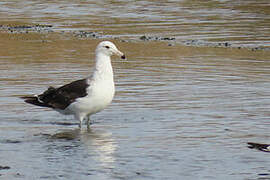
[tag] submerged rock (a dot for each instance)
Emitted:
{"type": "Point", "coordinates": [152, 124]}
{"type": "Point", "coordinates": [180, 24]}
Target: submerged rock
{"type": "Point", "coordinates": [261, 147]}
{"type": "Point", "coordinates": [12, 141]}
{"type": "Point", "coordinates": [4, 167]}
{"type": "Point", "coordinates": [155, 38]}
{"type": "Point", "coordinates": [27, 28]}
{"type": "Point", "coordinates": [85, 34]}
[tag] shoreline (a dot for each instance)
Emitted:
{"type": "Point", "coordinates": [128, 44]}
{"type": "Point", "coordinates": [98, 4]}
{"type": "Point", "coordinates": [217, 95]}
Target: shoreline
{"type": "Point", "coordinates": [171, 41]}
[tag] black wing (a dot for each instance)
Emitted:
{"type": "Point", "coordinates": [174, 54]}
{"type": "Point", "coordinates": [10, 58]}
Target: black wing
{"type": "Point", "coordinates": [61, 97]}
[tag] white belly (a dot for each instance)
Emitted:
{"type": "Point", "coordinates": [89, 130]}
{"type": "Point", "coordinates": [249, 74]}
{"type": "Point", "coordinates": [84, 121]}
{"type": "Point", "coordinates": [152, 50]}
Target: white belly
{"type": "Point", "coordinates": [99, 97]}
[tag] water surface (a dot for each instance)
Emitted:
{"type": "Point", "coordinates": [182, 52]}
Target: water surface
{"type": "Point", "coordinates": [179, 112]}
{"type": "Point", "coordinates": [244, 22]}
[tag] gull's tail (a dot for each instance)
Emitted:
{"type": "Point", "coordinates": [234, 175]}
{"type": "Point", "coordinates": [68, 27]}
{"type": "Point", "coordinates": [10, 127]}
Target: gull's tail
{"type": "Point", "coordinates": [43, 99]}
{"type": "Point", "coordinates": [34, 100]}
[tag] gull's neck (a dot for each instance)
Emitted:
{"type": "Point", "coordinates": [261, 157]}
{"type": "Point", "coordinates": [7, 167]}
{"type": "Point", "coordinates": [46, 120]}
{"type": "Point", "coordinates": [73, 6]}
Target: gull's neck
{"type": "Point", "coordinates": [103, 69]}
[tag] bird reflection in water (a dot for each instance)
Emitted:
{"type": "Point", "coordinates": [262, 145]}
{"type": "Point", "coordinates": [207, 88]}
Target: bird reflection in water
{"type": "Point", "coordinates": [98, 144]}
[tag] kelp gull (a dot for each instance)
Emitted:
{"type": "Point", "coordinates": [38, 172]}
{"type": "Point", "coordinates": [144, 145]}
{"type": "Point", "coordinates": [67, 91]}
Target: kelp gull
{"type": "Point", "coordinates": [84, 97]}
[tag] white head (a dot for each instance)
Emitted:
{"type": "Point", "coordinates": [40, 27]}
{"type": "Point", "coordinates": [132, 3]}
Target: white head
{"type": "Point", "coordinates": [109, 49]}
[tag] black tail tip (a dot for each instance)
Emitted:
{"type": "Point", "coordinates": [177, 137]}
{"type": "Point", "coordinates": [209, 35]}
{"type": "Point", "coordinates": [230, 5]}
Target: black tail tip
{"type": "Point", "coordinates": [30, 100]}
{"type": "Point", "coordinates": [25, 98]}
{"type": "Point", "coordinates": [34, 101]}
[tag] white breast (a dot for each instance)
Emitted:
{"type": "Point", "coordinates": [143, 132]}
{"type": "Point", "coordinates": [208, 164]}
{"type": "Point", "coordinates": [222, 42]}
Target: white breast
{"type": "Point", "coordinates": [100, 91]}
{"type": "Point", "coordinates": [99, 95]}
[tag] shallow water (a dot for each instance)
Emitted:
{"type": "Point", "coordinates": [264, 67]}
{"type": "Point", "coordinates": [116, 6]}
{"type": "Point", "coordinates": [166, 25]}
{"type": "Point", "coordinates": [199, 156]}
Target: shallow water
{"type": "Point", "coordinates": [179, 112]}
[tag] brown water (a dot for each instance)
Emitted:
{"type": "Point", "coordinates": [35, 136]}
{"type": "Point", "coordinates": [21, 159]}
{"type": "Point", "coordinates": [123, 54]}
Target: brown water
{"type": "Point", "coordinates": [243, 22]}
{"type": "Point", "coordinates": [180, 112]}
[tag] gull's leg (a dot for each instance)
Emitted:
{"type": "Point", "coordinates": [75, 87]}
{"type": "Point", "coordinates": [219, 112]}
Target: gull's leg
{"type": "Point", "coordinates": [79, 117]}
{"type": "Point", "coordinates": [88, 122]}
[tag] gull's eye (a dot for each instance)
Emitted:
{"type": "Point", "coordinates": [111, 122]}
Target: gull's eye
{"type": "Point", "coordinates": [107, 47]}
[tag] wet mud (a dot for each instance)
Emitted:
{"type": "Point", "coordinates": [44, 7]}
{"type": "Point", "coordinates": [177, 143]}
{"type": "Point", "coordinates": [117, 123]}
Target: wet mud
{"type": "Point", "coordinates": [66, 134]}
{"type": "Point", "coordinates": [171, 41]}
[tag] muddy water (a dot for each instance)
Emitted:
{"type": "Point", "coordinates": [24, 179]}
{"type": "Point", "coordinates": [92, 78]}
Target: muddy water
{"type": "Point", "coordinates": [180, 112]}
{"type": "Point", "coordinates": [244, 22]}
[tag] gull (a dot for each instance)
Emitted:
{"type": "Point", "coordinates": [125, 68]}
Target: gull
{"type": "Point", "coordinates": [83, 97]}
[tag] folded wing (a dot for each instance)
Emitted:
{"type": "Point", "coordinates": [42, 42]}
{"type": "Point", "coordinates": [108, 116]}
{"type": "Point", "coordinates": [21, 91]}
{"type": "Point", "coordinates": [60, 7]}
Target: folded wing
{"type": "Point", "coordinates": [60, 98]}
